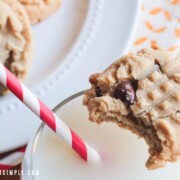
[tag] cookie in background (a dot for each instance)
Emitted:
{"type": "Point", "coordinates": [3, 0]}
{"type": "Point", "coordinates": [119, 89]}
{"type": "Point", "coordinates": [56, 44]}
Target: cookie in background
{"type": "Point", "coordinates": [39, 10]}
{"type": "Point", "coordinates": [16, 43]}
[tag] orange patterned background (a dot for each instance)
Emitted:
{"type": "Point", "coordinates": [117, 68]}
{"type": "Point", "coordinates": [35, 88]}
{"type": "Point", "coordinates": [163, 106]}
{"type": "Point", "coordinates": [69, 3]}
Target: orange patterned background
{"type": "Point", "coordinates": [159, 23]}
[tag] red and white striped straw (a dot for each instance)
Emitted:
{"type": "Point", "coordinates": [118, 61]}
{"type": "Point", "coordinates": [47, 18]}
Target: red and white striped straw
{"type": "Point", "coordinates": [7, 79]}
{"type": "Point", "coordinates": [12, 159]}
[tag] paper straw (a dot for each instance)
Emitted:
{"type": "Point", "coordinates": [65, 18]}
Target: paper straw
{"type": "Point", "coordinates": [12, 159]}
{"type": "Point", "coordinates": [7, 79]}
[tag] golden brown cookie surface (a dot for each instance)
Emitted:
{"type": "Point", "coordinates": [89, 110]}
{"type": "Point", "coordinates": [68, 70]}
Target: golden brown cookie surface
{"type": "Point", "coordinates": [141, 92]}
{"type": "Point", "coordinates": [16, 39]}
{"type": "Point", "coordinates": [39, 10]}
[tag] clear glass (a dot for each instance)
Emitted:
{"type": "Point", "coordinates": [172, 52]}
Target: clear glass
{"type": "Point", "coordinates": [123, 154]}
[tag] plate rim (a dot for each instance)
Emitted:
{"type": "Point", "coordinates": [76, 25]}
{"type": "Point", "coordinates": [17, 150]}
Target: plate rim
{"type": "Point", "coordinates": [70, 60]}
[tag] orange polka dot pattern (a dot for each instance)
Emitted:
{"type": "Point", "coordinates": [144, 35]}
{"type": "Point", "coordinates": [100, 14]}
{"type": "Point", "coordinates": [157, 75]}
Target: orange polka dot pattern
{"type": "Point", "coordinates": [159, 24]}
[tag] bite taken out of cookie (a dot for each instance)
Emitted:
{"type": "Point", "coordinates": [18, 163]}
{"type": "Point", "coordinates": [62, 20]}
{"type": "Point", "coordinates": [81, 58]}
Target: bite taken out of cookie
{"type": "Point", "coordinates": [16, 39]}
{"type": "Point", "coordinates": [141, 92]}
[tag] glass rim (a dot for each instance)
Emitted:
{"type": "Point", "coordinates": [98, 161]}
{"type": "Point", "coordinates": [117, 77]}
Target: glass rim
{"type": "Point", "coordinates": [42, 126]}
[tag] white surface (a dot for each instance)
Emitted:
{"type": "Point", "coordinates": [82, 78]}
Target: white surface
{"type": "Point", "coordinates": [83, 37]}
{"type": "Point", "coordinates": [123, 153]}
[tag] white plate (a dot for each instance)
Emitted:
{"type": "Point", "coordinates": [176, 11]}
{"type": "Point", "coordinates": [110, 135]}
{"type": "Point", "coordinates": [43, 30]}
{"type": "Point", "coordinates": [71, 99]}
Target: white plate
{"type": "Point", "coordinates": [83, 37]}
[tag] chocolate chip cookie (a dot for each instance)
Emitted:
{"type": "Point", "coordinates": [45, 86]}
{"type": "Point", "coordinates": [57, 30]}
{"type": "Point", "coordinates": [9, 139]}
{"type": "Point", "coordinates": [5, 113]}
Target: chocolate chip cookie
{"type": "Point", "coordinates": [39, 10]}
{"type": "Point", "coordinates": [16, 39]}
{"type": "Point", "coordinates": [141, 92]}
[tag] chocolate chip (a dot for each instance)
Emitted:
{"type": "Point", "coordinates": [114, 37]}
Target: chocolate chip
{"type": "Point", "coordinates": [125, 92]}
{"type": "Point", "coordinates": [98, 92]}
{"type": "Point", "coordinates": [93, 78]}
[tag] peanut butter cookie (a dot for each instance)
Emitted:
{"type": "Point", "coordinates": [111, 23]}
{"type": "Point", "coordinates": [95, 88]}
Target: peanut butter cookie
{"type": "Point", "coordinates": [39, 10]}
{"type": "Point", "coordinates": [141, 92]}
{"type": "Point", "coordinates": [16, 39]}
